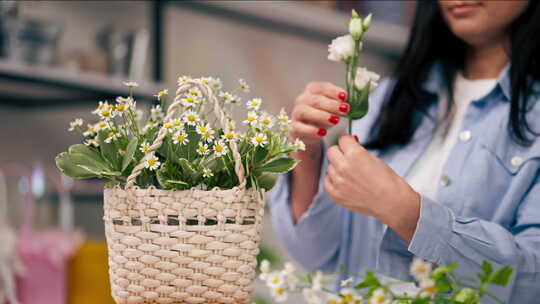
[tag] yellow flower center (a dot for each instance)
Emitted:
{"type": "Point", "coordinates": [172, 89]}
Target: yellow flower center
{"type": "Point", "coordinates": [190, 99]}
{"type": "Point", "coordinates": [275, 281]}
{"type": "Point", "coordinates": [105, 113]}
{"type": "Point", "coordinates": [348, 298]}
{"type": "Point", "coordinates": [180, 137]}
{"type": "Point", "coordinates": [431, 290]}
{"type": "Point", "coordinates": [280, 291]}
{"type": "Point", "coordinates": [421, 269]}
{"type": "Point", "coordinates": [202, 129]}
{"type": "Point", "coordinates": [152, 161]}
{"type": "Point", "coordinates": [111, 134]}
{"type": "Point", "coordinates": [332, 302]}
{"type": "Point", "coordinates": [251, 118]}
{"type": "Point", "coordinates": [120, 108]}
{"type": "Point", "coordinates": [90, 129]}
{"type": "Point", "coordinates": [102, 124]}
{"type": "Point", "coordinates": [111, 107]}
{"type": "Point", "coordinates": [229, 136]}
{"type": "Point", "coordinates": [207, 135]}
{"type": "Point", "coordinates": [101, 106]}
{"type": "Point", "coordinates": [219, 148]}
{"type": "Point", "coordinates": [266, 121]}
{"type": "Point", "coordinates": [191, 117]}
{"type": "Point", "coordinates": [167, 126]}
{"type": "Point", "coordinates": [380, 299]}
{"type": "Point", "coordinates": [146, 147]}
{"type": "Point", "coordinates": [202, 149]}
{"type": "Point", "coordinates": [176, 123]}
{"type": "Point", "coordinates": [259, 139]}
{"type": "Point", "coordinates": [194, 93]}
{"type": "Point", "coordinates": [232, 127]}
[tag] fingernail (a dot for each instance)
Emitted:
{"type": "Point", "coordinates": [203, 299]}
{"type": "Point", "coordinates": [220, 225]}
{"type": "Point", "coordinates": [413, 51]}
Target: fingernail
{"type": "Point", "coordinates": [356, 138]}
{"type": "Point", "coordinates": [342, 96]}
{"type": "Point", "coordinates": [321, 132]}
{"type": "Point", "coordinates": [333, 119]}
{"type": "Point", "coordinates": [344, 107]}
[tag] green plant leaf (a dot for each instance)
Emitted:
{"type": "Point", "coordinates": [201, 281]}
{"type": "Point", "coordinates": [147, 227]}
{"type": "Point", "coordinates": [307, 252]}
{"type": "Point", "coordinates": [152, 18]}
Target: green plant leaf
{"type": "Point", "coordinates": [360, 106]}
{"type": "Point", "coordinates": [267, 181]}
{"type": "Point", "coordinates": [370, 281]}
{"type": "Point", "coordinates": [501, 276]}
{"type": "Point", "coordinates": [68, 167]}
{"type": "Point", "coordinates": [260, 154]}
{"type": "Point", "coordinates": [188, 169]}
{"type": "Point", "coordinates": [101, 173]}
{"type": "Point", "coordinates": [108, 151]}
{"type": "Point", "coordinates": [90, 153]}
{"type": "Point", "coordinates": [466, 295]}
{"type": "Point", "coordinates": [130, 151]}
{"type": "Point", "coordinates": [280, 165]}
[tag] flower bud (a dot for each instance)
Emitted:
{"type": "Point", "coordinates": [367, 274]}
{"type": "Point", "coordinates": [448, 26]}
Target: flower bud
{"type": "Point", "coordinates": [367, 23]}
{"type": "Point", "coordinates": [356, 28]}
{"type": "Point", "coordinates": [354, 14]}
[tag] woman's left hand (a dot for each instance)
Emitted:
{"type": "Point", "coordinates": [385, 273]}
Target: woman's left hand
{"type": "Point", "coordinates": [362, 183]}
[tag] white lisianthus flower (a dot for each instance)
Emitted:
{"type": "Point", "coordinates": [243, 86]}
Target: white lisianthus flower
{"type": "Point", "coordinates": [152, 163]}
{"type": "Point", "coordinates": [380, 297]}
{"type": "Point", "coordinates": [76, 124]}
{"type": "Point", "coordinates": [355, 28]}
{"type": "Point", "coordinates": [311, 296]}
{"type": "Point", "coordinates": [420, 269]}
{"type": "Point", "coordinates": [364, 76]}
{"type": "Point", "coordinates": [341, 48]}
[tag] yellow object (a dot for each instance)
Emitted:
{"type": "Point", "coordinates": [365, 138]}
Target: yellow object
{"type": "Point", "coordinates": [88, 278]}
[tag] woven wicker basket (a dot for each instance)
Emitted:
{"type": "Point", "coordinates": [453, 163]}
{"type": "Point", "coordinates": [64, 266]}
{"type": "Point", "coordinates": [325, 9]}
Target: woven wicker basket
{"type": "Point", "coordinates": [192, 246]}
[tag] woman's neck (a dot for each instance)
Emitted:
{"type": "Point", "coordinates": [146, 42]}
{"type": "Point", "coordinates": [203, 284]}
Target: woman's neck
{"type": "Point", "coordinates": [486, 61]}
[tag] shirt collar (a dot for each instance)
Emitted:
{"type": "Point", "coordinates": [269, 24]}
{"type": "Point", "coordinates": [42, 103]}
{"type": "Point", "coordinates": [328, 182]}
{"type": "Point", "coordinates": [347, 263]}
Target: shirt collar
{"type": "Point", "coordinates": [434, 81]}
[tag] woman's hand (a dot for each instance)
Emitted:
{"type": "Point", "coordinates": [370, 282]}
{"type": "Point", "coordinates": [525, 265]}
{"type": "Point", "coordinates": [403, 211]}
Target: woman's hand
{"type": "Point", "coordinates": [363, 183]}
{"type": "Point", "coordinates": [318, 108]}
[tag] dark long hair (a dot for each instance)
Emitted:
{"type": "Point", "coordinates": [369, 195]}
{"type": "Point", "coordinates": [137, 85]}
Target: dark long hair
{"type": "Point", "coordinates": [431, 40]}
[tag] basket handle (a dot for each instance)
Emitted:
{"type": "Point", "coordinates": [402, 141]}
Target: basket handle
{"type": "Point", "coordinates": [171, 111]}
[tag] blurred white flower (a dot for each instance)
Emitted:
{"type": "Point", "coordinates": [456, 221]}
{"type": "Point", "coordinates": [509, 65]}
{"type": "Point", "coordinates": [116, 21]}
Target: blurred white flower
{"type": "Point", "coordinates": [364, 76]}
{"type": "Point", "coordinates": [428, 287]}
{"type": "Point", "coordinates": [317, 283]}
{"type": "Point", "coordinates": [265, 269]}
{"type": "Point", "coordinates": [300, 146]}
{"type": "Point", "coordinates": [131, 84]}
{"type": "Point", "coordinates": [347, 282]}
{"type": "Point", "coordinates": [90, 130]}
{"type": "Point", "coordinates": [251, 118]}
{"type": "Point", "coordinates": [254, 103]}
{"type": "Point", "coordinates": [183, 79]}
{"type": "Point", "coordinates": [156, 113]}
{"type": "Point", "coordinates": [76, 124]}
{"type": "Point", "coordinates": [333, 299]}
{"type": "Point", "coordinates": [367, 22]}
{"type": "Point", "coordinates": [380, 297]}
{"type": "Point", "coordinates": [349, 296]}
{"type": "Point", "coordinates": [112, 136]}
{"type": "Point", "coordinates": [161, 94]}
{"type": "Point", "coordinates": [243, 85]}
{"type": "Point", "coordinates": [420, 269]}
{"type": "Point", "coordinates": [279, 294]}
{"type": "Point", "coordinates": [266, 120]}
{"type": "Point", "coordinates": [311, 296]}
{"type": "Point", "coordinates": [341, 48]}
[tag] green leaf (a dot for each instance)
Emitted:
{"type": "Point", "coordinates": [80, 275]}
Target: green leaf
{"type": "Point", "coordinates": [267, 181]}
{"type": "Point", "coordinates": [108, 151]}
{"type": "Point", "coordinates": [360, 106]}
{"type": "Point", "coordinates": [70, 168]}
{"type": "Point", "coordinates": [280, 165]}
{"type": "Point", "coordinates": [89, 152]}
{"type": "Point", "coordinates": [130, 151]}
{"type": "Point", "coordinates": [188, 169]}
{"type": "Point", "coordinates": [370, 281]}
{"type": "Point", "coordinates": [501, 276]}
{"type": "Point", "coordinates": [260, 154]}
{"type": "Point", "coordinates": [98, 172]}
{"type": "Point", "coordinates": [466, 295]}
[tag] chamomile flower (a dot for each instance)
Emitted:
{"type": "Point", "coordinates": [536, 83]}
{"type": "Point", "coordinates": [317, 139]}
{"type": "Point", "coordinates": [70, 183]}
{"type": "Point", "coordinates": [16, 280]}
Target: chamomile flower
{"type": "Point", "coordinates": [102, 105]}
{"type": "Point", "coordinates": [311, 296]}
{"type": "Point", "coordinates": [264, 268]}
{"type": "Point", "coordinates": [279, 294]}
{"type": "Point", "coordinates": [251, 118]}
{"type": "Point", "coordinates": [229, 136]}
{"type": "Point", "coordinates": [243, 85]}
{"type": "Point", "coordinates": [202, 149]}
{"type": "Point", "coordinates": [76, 124]}
{"type": "Point", "coordinates": [169, 126]}
{"type": "Point", "coordinates": [207, 173]}
{"type": "Point", "coordinates": [191, 118]}
{"type": "Point", "coordinates": [145, 146]}
{"type": "Point", "coordinates": [332, 299]}
{"type": "Point", "coordinates": [429, 288]}
{"type": "Point", "coordinates": [180, 137]}
{"type": "Point", "coordinates": [107, 112]}
{"type": "Point", "coordinates": [183, 79]}
{"type": "Point", "coordinates": [266, 120]}
{"type": "Point", "coordinates": [206, 80]}
{"type": "Point", "coordinates": [177, 124]}
{"type": "Point", "coordinates": [220, 148]}
{"type": "Point", "coordinates": [275, 279]}
{"type": "Point", "coordinates": [254, 103]}
{"type": "Point", "coordinates": [112, 136]}
{"type": "Point", "coordinates": [131, 84]}
{"type": "Point", "coordinates": [152, 163]}
{"type": "Point", "coordinates": [128, 102]}
{"type": "Point", "coordinates": [299, 145]}
{"type": "Point", "coordinates": [102, 125]}
{"type": "Point", "coordinates": [216, 84]}
{"type": "Point", "coordinates": [161, 94]}
{"type": "Point", "coordinates": [349, 296]}
{"type": "Point", "coordinates": [225, 97]}
{"type": "Point", "coordinates": [380, 297]}
{"type": "Point", "coordinates": [195, 92]}
{"type": "Point", "coordinates": [231, 125]}
{"type": "Point", "coordinates": [283, 117]}
{"type": "Point", "coordinates": [259, 140]}
{"type": "Point", "coordinates": [420, 269]}
{"type": "Point", "coordinates": [90, 130]}
{"type": "Point", "coordinates": [149, 125]}
{"type": "Point", "coordinates": [234, 99]}
{"type": "Point", "coordinates": [156, 113]}
{"type": "Point", "coordinates": [120, 109]}
{"type": "Point", "coordinates": [91, 142]}
{"type": "Point", "coordinates": [190, 101]}
{"type": "Point", "coordinates": [203, 128]}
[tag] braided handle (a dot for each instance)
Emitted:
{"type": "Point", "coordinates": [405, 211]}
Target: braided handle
{"type": "Point", "coordinates": [171, 112]}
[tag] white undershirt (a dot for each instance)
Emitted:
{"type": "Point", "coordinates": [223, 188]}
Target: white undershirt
{"type": "Point", "coordinates": [427, 173]}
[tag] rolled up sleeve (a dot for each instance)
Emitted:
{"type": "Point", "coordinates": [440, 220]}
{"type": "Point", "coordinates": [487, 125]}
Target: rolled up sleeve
{"type": "Point", "coordinates": [314, 240]}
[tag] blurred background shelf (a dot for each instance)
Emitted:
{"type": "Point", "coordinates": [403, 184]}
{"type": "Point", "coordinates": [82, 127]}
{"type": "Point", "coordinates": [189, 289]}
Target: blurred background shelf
{"type": "Point", "coordinates": [24, 85]}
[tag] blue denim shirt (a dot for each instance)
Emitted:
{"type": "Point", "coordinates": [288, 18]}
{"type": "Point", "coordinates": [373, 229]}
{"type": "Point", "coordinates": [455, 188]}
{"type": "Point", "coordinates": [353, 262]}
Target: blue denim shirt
{"type": "Point", "coordinates": [488, 206]}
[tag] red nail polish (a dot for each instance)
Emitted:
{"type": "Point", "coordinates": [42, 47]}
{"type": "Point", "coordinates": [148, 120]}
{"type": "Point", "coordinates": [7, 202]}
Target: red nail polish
{"type": "Point", "coordinates": [342, 96]}
{"type": "Point", "coordinates": [356, 138]}
{"type": "Point", "coordinates": [344, 107]}
{"type": "Point", "coordinates": [321, 132]}
{"type": "Point", "coordinates": [333, 119]}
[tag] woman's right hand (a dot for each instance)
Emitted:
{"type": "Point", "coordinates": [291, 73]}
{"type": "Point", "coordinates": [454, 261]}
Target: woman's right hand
{"type": "Point", "coordinates": [317, 109]}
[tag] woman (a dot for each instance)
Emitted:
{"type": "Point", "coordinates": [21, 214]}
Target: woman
{"type": "Point", "coordinates": [449, 165]}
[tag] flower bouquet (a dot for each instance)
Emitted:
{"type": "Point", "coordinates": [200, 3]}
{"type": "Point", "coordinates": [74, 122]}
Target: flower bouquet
{"type": "Point", "coordinates": [184, 198]}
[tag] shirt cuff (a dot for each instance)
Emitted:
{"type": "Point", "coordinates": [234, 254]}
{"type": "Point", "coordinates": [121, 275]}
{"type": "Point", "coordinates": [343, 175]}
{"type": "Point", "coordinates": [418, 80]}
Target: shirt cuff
{"type": "Point", "coordinates": [433, 229]}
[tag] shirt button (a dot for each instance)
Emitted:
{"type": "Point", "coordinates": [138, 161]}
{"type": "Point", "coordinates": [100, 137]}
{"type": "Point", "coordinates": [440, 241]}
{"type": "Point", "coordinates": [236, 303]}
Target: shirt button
{"type": "Point", "coordinates": [445, 181]}
{"type": "Point", "coordinates": [516, 161]}
{"type": "Point", "coordinates": [465, 136]}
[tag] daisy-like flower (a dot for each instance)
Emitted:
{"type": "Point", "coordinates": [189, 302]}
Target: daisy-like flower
{"type": "Point", "coordinates": [220, 148]}
{"type": "Point", "coordinates": [161, 94]}
{"type": "Point", "coordinates": [349, 296]}
{"type": "Point", "coordinates": [317, 283]}
{"type": "Point", "coordinates": [259, 140]}
{"type": "Point", "coordinates": [202, 149]}
{"type": "Point", "coordinates": [180, 137]}
{"type": "Point", "coordinates": [102, 105]}
{"type": "Point", "coordinates": [234, 99]}
{"type": "Point", "coordinates": [266, 120]}
{"type": "Point", "coordinates": [264, 268]}
{"type": "Point", "coordinates": [145, 146]}
{"type": "Point", "coordinates": [152, 163]}
{"type": "Point", "coordinates": [169, 126]}
{"type": "Point", "coordinates": [279, 294]}
{"type": "Point", "coordinates": [90, 130]}
{"type": "Point", "coordinates": [206, 80]}
{"type": "Point", "coordinates": [229, 136]}
{"type": "Point", "coordinates": [207, 173]}
{"type": "Point", "coordinates": [120, 109]}
{"type": "Point", "coordinates": [251, 118]}
{"type": "Point", "coordinates": [127, 101]}
{"type": "Point", "coordinates": [243, 85]}
{"type": "Point", "coordinates": [76, 124]}
{"type": "Point", "coordinates": [183, 79]}
{"type": "Point", "coordinates": [149, 125]}
{"type": "Point", "coordinates": [380, 297]}
{"type": "Point", "coordinates": [107, 112]}
{"type": "Point", "coordinates": [131, 84]}
{"type": "Point", "coordinates": [191, 118]}
{"type": "Point", "coordinates": [216, 83]}
{"type": "Point", "coordinates": [102, 125]}
{"type": "Point", "coordinates": [299, 145]}
{"type": "Point", "coordinates": [283, 117]}
{"type": "Point", "coordinates": [190, 101]}
{"type": "Point", "coordinates": [311, 296]}
{"type": "Point", "coordinates": [91, 142]}
{"type": "Point", "coordinates": [254, 103]}
{"type": "Point", "coordinates": [177, 124]}
{"type": "Point", "coordinates": [420, 269]}
{"type": "Point", "coordinates": [275, 279]}
{"type": "Point", "coordinates": [111, 136]}
{"type": "Point", "coordinates": [203, 128]}
{"type": "Point", "coordinates": [156, 113]}
{"type": "Point", "coordinates": [332, 299]}
{"type": "Point", "coordinates": [225, 97]}
{"type": "Point", "coordinates": [195, 92]}
{"type": "Point", "coordinates": [429, 288]}
{"type": "Point", "coordinates": [231, 125]}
